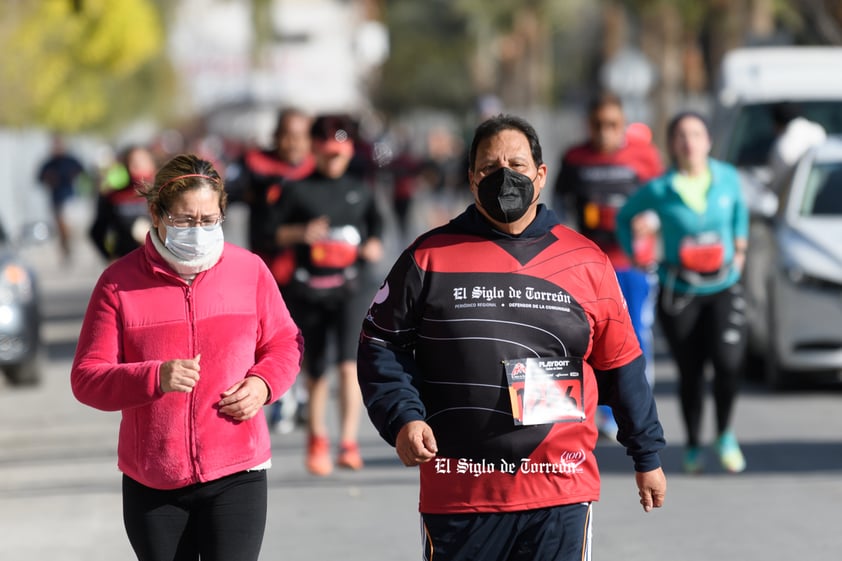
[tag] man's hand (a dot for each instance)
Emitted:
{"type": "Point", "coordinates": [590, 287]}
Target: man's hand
{"type": "Point", "coordinates": [316, 230]}
{"type": "Point", "coordinates": [243, 400]}
{"type": "Point", "coordinates": [307, 233]}
{"type": "Point", "coordinates": [652, 488]}
{"type": "Point", "coordinates": [416, 444]}
{"type": "Point", "coordinates": [180, 375]}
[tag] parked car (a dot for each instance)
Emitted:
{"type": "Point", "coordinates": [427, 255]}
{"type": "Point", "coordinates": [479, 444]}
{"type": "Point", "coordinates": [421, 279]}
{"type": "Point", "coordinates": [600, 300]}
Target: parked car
{"type": "Point", "coordinates": [20, 317]}
{"type": "Point", "coordinates": [797, 326]}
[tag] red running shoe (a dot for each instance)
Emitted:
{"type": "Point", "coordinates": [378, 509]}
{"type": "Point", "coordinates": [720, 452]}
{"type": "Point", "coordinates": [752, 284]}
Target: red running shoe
{"type": "Point", "coordinates": [349, 456]}
{"type": "Point", "coordinates": [318, 456]}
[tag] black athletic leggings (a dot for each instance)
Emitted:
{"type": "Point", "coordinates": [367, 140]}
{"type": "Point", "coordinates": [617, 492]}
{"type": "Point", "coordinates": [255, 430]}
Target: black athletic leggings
{"type": "Point", "coordinates": [221, 520]}
{"type": "Point", "coordinates": [699, 329]}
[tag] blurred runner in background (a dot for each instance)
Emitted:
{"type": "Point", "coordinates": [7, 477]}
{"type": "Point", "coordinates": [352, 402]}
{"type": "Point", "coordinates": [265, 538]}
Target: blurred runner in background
{"type": "Point", "coordinates": [596, 178]}
{"type": "Point", "coordinates": [333, 227]}
{"type": "Point", "coordinates": [122, 220]}
{"type": "Point", "coordinates": [59, 174]}
{"type": "Point", "coordinates": [258, 179]}
{"type": "Point", "coordinates": [705, 223]}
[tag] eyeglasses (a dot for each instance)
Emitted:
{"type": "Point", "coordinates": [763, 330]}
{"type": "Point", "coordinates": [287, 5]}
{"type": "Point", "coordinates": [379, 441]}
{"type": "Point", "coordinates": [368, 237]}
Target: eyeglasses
{"type": "Point", "coordinates": [190, 222]}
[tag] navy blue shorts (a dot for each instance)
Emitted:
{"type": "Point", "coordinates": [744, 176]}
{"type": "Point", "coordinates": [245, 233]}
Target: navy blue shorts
{"type": "Point", "coordinates": [561, 533]}
{"type": "Point", "coordinates": [329, 326]}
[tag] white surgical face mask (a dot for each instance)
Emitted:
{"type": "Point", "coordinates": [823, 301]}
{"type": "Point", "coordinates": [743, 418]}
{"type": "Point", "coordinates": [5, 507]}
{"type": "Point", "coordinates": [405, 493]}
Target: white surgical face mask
{"type": "Point", "coordinates": [190, 244]}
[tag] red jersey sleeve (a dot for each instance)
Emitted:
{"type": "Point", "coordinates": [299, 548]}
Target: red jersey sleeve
{"type": "Point", "coordinates": [614, 342]}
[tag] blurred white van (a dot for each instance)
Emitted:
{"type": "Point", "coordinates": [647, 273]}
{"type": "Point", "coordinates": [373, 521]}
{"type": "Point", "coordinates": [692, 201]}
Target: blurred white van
{"type": "Point", "coordinates": [754, 79]}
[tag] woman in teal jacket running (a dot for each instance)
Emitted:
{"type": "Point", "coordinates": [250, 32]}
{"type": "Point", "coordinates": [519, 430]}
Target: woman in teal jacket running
{"type": "Point", "coordinates": [704, 235]}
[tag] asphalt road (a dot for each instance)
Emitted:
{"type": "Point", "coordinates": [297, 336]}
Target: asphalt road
{"type": "Point", "coordinates": [60, 489]}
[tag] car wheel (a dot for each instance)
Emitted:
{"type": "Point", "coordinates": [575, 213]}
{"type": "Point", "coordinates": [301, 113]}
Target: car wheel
{"type": "Point", "coordinates": [27, 373]}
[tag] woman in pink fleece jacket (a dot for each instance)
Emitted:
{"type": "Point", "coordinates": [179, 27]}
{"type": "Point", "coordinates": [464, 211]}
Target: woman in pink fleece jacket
{"type": "Point", "coordinates": [189, 338]}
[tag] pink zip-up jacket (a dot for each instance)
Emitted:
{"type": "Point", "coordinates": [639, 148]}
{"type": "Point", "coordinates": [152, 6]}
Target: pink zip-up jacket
{"type": "Point", "coordinates": [142, 314]}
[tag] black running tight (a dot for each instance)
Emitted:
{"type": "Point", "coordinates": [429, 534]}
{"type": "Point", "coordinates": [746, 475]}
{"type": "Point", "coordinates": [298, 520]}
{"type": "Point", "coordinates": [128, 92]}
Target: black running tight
{"type": "Point", "coordinates": [701, 330]}
{"type": "Point", "coordinates": [221, 520]}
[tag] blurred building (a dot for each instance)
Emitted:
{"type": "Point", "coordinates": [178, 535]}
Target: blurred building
{"type": "Point", "coordinates": [237, 67]}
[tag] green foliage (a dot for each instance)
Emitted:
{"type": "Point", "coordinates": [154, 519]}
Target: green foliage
{"type": "Point", "coordinates": [261, 22]}
{"type": "Point", "coordinates": [500, 13]}
{"type": "Point", "coordinates": [435, 46]}
{"type": "Point", "coordinates": [428, 64]}
{"type": "Point", "coordinates": [61, 66]}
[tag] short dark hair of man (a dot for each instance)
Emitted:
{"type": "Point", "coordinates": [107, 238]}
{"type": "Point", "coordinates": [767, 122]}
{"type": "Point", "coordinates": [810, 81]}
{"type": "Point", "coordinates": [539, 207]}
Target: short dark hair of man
{"type": "Point", "coordinates": [502, 122]}
{"type": "Point", "coordinates": [604, 99]}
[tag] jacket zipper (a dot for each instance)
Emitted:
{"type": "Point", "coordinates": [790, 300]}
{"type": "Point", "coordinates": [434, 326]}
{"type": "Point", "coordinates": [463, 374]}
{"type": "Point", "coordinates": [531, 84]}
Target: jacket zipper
{"type": "Point", "coordinates": [191, 412]}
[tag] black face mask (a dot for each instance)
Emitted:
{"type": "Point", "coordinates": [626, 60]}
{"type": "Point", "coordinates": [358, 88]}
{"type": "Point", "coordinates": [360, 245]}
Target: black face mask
{"type": "Point", "coordinates": [505, 194]}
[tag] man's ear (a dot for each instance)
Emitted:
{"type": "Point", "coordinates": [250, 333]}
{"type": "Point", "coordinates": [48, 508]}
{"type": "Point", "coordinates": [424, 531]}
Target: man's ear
{"type": "Point", "coordinates": [541, 178]}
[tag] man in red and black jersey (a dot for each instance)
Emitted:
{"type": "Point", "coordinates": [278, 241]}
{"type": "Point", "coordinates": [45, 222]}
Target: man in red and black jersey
{"type": "Point", "coordinates": [260, 175]}
{"type": "Point", "coordinates": [596, 178]}
{"type": "Point", "coordinates": [483, 357]}
{"type": "Point", "coordinates": [598, 175]}
{"type": "Point", "coordinates": [258, 179]}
